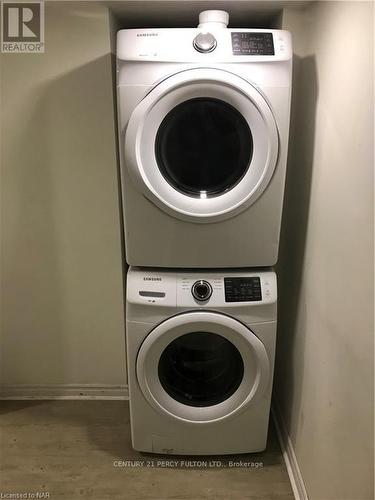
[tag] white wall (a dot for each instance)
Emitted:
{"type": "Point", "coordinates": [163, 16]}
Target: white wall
{"type": "Point", "coordinates": [61, 276]}
{"type": "Point", "coordinates": [324, 377]}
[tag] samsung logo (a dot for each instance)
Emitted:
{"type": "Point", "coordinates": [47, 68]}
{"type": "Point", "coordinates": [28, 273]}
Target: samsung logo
{"type": "Point", "coordinates": [147, 34]}
{"type": "Point", "coordinates": [150, 278]}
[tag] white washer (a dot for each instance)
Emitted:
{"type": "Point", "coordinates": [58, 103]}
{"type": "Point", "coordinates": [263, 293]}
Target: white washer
{"type": "Point", "coordinates": [200, 350]}
{"type": "Point", "coordinates": [203, 134]}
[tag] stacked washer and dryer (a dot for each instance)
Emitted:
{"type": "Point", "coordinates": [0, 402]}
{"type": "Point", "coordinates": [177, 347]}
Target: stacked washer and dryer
{"type": "Point", "coordinates": [203, 126]}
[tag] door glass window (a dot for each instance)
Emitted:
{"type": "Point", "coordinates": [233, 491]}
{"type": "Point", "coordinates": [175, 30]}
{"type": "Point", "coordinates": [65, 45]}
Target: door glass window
{"type": "Point", "coordinates": [200, 369]}
{"type": "Point", "coordinates": [203, 147]}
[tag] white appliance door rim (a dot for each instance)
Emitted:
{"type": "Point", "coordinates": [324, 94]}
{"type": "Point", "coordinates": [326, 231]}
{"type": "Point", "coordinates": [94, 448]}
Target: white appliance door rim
{"type": "Point", "coordinates": [144, 123]}
{"type": "Point", "coordinates": [255, 379]}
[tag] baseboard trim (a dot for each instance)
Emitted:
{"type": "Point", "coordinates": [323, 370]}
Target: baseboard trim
{"type": "Point", "coordinates": [290, 459]}
{"type": "Point", "coordinates": [63, 391]}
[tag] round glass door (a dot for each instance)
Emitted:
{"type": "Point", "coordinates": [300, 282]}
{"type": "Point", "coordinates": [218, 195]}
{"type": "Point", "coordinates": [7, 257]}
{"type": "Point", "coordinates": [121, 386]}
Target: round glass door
{"type": "Point", "coordinates": [203, 147]}
{"type": "Point", "coordinates": [202, 366]}
{"type": "Point", "coordinates": [200, 369]}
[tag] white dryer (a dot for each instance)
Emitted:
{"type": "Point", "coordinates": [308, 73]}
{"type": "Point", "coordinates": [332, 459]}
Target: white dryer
{"type": "Point", "coordinates": [203, 134]}
{"type": "Point", "coordinates": [200, 351]}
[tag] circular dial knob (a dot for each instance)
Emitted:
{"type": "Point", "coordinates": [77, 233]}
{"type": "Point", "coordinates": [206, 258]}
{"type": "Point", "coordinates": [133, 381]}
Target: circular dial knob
{"type": "Point", "coordinates": [201, 290]}
{"type": "Point", "coordinates": [204, 42]}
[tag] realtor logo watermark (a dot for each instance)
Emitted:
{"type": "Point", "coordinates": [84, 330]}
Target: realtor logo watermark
{"type": "Point", "coordinates": [22, 27]}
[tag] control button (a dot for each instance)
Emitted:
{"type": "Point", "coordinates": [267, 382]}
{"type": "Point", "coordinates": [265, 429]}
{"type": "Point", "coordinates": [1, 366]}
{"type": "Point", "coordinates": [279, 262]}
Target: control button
{"type": "Point", "coordinates": [204, 42]}
{"type": "Point", "coordinates": [201, 290]}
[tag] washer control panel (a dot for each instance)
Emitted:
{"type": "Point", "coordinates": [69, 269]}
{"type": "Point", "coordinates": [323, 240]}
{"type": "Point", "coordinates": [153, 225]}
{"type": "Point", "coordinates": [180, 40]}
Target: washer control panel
{"type": "Point", "coordinates": [201, 288]}
{"type": "Point", "coordinates": [242, 289]}
{"type": "Point", "coordinates": [230, 289]}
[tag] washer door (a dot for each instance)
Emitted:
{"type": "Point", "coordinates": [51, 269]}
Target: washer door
{"type": "Point", "coordinates": [202, 145]}
{"type": "Point", "coordinates": [202, 367]}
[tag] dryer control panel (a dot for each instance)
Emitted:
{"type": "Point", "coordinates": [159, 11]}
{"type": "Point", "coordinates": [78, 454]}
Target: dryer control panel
{"type": "Point", "coordinates": [211, 41]}
{"type": "Point", "coordinates": [199, 46]}
{"type": "Point", "coordinates": [201, 289]}
{"type": "Point", "coordinates": [252, 43]}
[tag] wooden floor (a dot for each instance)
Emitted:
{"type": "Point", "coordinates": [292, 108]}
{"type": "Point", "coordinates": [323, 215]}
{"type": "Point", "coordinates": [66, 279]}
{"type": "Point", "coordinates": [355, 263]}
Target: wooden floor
{"type": "Point", "coordinates": [69, 450]}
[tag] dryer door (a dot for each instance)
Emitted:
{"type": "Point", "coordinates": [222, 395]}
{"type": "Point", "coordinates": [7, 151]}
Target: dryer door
{"type": "Point", "coordinates": [202, 367]}
{"type": "Point", "coordinates": [202, 145]}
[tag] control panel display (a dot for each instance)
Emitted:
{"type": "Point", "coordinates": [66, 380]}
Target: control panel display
{"type": "Point", "coordinates": [242, 289]}
{"type": "Point", "coordinates": [252, 44]}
